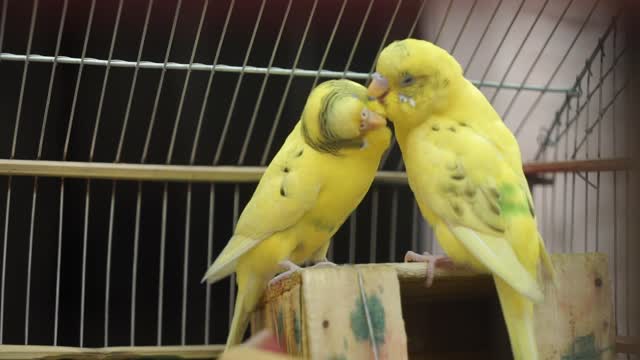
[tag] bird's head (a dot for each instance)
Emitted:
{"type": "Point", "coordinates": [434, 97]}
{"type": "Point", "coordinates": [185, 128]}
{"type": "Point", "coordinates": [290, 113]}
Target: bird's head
{"type": "Point", "coordinates": [414, 79]}
{"type": "Point", "coordinates": [336, 117]}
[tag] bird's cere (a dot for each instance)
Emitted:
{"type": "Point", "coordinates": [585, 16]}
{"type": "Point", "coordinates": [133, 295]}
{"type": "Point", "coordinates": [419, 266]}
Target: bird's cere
{"type": "Point", "coordinates": [379, 86]}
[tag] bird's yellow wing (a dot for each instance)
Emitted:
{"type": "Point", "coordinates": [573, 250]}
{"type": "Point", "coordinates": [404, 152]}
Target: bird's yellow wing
{"type": "Point", "coordinates": [287, 190]}
{"type": "Point", "coordinates": [469, 186]}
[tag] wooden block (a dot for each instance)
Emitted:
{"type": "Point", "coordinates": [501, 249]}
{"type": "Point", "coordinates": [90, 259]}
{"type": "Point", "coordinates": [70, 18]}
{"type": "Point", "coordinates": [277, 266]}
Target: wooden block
{"type": "Point", "coordinates": [345, 312]}
{"type": "Point", "coordinates": [459, 317]}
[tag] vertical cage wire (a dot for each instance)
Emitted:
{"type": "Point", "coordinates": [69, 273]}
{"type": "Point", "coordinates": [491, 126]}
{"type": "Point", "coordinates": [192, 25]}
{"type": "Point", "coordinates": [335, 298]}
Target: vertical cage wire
{"type": "Point", "coordinates": [595, 202]}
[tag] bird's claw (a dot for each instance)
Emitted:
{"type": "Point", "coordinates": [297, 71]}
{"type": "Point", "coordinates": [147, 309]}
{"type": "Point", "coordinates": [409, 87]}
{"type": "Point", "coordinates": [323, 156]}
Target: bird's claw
{"type": "Point", "coordinates": [431, 260]}
{"type": "Point", "coordinates": [291, 268]}
{"type": "Point", "coordinates": [323, 263]}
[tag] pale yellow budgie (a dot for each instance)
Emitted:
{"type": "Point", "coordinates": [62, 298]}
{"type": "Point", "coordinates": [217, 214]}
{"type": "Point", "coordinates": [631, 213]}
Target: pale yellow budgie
{"type": "Point", "coordinates": [465, 170]}
{"type": "Point", "coordinates": [318, 177]}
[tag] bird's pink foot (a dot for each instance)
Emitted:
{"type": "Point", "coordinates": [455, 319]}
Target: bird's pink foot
{"type": "Point", "coordinates": [291, 268]}
{"type": "Point", "coordinates": [432, 262]}
{"type": "Point", "coordinates": [323, 263]}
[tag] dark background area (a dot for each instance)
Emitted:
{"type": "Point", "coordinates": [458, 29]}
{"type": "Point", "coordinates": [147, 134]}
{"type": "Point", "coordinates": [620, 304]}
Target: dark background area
{"type": "Point", "coordinates": [56, 199]}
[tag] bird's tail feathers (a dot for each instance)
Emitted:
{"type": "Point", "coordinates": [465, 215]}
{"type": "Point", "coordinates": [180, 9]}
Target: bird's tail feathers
{"type": "Point", "coordinates": [239, 323]}
{"type": "Point", "coordinates": [547, 265]}
{"type": "Point", "coordinates": [249, 292]}
{"type": "Point", "coordinates": [518, 315]}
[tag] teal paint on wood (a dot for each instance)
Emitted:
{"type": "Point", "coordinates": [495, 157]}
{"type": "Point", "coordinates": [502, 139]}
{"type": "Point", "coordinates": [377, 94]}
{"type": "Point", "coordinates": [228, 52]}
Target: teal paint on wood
{"type": "Point", "coordinates": [359, 325]}
{"type": "Point", "coordinates": [296, 329]}
{"type": "Point", "coordinates": [280, 320]}
{"type": "Point", "coordinates": [584, 348]}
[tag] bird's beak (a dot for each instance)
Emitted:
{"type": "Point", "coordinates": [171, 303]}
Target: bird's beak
{"type": "Point", "coordinates": [378, 88]}
{"type": "Point", "coordinates": [372, 121]}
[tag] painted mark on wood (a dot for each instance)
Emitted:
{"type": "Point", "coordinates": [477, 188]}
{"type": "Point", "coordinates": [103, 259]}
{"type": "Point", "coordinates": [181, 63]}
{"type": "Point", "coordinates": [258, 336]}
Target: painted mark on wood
{"type": "Point", "coordinates": [584, 348]}
{"type": "Point", "coordinates": [338, 357]}
{"type": "Point", "coordinates": [280, 321]}
{"type": "Point", "coordinates": [359, 325]}
{"type": "Point", "coordinates": [296, 330]}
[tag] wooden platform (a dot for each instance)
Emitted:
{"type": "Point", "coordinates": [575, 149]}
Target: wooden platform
{"type": "Point", "coordinates": [459, 317]}
{"type": "Point", "coordinates": [320, 314]}
{"type": "Point", "coordinates": [345, 312]}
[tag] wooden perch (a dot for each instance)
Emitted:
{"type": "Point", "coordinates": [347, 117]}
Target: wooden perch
{"type": "Point", "coordinates": [618, 164]}
{"type": "Point", "coordinates": [628, 344]}
{"type": "Point", "coordinates": [238, 174]}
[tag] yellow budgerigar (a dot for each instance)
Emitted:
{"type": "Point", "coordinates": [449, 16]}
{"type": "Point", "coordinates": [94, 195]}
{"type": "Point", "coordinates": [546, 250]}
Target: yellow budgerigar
{"type": "Point", "coordinates": [465, 170]}
{"type": "Point", "coordinates": [317, 178]}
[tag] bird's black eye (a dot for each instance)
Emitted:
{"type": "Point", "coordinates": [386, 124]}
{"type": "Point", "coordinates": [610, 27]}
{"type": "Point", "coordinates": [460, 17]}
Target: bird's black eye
{"type": "Point", "coordinates": [407, 80]}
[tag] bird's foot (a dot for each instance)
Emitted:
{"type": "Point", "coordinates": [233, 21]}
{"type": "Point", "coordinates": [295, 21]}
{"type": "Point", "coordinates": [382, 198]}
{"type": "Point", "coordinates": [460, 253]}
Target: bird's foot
{"type": "Point", "coordinates": [432, 262]}
{"type": "Point", "coordinates": [323, 263]}
{"type": "Point", "coordinates": [291, 268]}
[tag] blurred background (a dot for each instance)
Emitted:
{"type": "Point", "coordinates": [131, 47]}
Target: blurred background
{"type": "Point", "coordinates": [97, 262]}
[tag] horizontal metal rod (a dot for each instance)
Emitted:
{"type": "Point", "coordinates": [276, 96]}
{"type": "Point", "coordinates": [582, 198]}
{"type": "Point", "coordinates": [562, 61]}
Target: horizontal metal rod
{"type": "Point", "coordinates": [628, 344]}
{"type": "Point", "coordinates": [624, 345]}
{"type": "Point", "coordinates": [37, 351]}
{"type": "Point", "coordinates": [249, 70]}
{"type": "Point", "coordinates": [237, 174]}
{"type": "Point", "coordinates": [618, 164]}
{"type": "Point", "coordinates": [150, 172]}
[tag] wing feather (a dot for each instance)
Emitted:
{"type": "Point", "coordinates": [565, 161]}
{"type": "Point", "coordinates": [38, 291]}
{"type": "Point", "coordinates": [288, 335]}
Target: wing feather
{"type": "Point", "coordinates": [286, 192]}
{"type": "Point", "coordinates": [472, 188]}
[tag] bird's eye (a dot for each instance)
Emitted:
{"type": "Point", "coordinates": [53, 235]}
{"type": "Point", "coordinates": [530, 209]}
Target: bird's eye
{"type": "Point", "coordinates": [407, 80]}
{"type": "Point", "coordinates": [364, 114]}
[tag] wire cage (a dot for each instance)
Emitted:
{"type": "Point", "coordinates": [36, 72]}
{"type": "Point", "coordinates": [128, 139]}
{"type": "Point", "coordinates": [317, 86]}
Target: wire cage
{"type": "Point", "coordinates": [137, 130]}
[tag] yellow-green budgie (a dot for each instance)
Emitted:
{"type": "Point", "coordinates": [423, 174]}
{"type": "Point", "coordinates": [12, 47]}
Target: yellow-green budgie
{"type": "Point", "coordinates": [465, 170]}
{"type": "Point", "coordinates": [318, 177]}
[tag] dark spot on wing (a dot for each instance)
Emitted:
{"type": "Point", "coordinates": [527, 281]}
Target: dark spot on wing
{"type": "Point", "coordinates": [282, 192]}
{"type": "Point", "coordinates": [450, 188]}
{"type": "Point", "coordinates": [461, 123]}
{"type": "Point", "coordinates": [286, 169]}
{"type": "Point", "coordinates": [492, 199]}
{"type": "Point", "coordinates": [470, 192]}
{"type": "Point", "coordinates": [435, 127]}
{"type": "Point", "coordinates": [452, 129]}
{"type": "Point", "coordinates": [457, 209]}
{"type": "Point", "coordinates": [494, 208]}
{"type": "Point", "coordinates": [300, 153]}
{"type": "Point", "coordinates": [457, 176]}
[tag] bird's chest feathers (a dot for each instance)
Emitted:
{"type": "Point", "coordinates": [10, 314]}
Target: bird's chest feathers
{"type": "Point", "coordinates": [341, 195]}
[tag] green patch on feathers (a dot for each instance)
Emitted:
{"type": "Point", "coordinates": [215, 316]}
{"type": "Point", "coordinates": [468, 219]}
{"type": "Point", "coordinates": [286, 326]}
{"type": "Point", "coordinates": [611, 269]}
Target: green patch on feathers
{"type": "Point", "coordinates": [512, 201]}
